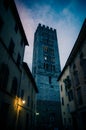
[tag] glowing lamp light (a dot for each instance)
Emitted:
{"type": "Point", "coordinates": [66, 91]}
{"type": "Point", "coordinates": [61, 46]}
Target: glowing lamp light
{"type": "Point", "coordinates": [23, 101]}
{"type": "Point", "coordinates": [45, 58]}
{"type": "Point", "coordinates": [37, 113]}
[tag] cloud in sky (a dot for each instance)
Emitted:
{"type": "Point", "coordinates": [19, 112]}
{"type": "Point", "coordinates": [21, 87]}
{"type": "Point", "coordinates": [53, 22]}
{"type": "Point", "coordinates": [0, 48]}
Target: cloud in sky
{"type": "Point", "coordinates": [63, 16]}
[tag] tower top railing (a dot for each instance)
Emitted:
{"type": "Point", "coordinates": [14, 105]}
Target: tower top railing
{"type": "Point", "coordinates": [47, 28]}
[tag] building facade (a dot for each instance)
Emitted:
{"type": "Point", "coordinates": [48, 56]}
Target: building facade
{"type": "Point", "coordinates": [46, 69]}
{"type": "Point", "coordinates": [28, 93]}
{"type": "Point", "coordinates": [14, 115]}
{"type": "Point", "coordinates": [78, 77]}
{"type": "Point", "coordinates": [77, 72]}
{"type": "Point", "coordinates": [66, 98]}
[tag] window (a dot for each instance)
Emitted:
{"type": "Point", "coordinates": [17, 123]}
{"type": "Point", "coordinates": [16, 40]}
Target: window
{"type": "Point", "coordinates": [62, 101]}
{"type": "Point", "coordinates": [52, 117]}
{"type": "Point", "coordinates": [18, 60]}
{"type": "Point", "coordinates": [68, 108]}
{"type": "Point", "coordinates": [81, 55]}
{"type": "Point", "coordinates": [53, 67]}
{"type": "Point", "coordinates": [28, 101]}
{"type": "Point", "coordinates": [11, 47]}
{"type": "Point", "coordinates": [61, 87]}
{"type": "Point", "coordinates": [49, 79]}
{"type": "Point", "coordinates": [44, 65]}
{"type": "Point", "coordinates": [84, 67]}
{"type": "Point", "coordinates": [14, 86]}
{"type": "Point", "coordinates": [22, 93]}
{"type": "Point", "coordinates": [67, 83]}
{"type": "Point", "coordinates": [47, 66]}
{"type": "Point", "coordinates": [50, 42]}
{"type": "Point", "coordinates": [70, 95]}
{"type": "Point", "coordinates": [27, 122]}
{"type": "Point", "coordinates": [4, 75]}
{"type": "Point", "coordinates": [79, 95]}
{"type": "Point", "coordinates": [76, 77]}
{"type": "Point", "coordinates": [83, 63]}
{"type": "Point", "coordinates": [65, 121]}
{"type": "Point", "coordinates": [64, 113]}
{"type": "Point", "coordinates": [53, 59]}
{"type": "Point", "coordinates": [66, 90]}
{"type": "Point", "coordinates": [51, 51]}
{"type": "Point", "coordinates": [52, 86]}
{"type": "Point", "coordinates": [69, 119]}
{"type": "Point", "coordinates": [45, 49]}
{"type": "Point", "coordinates": [1, 23]}
{"type": "Point", "coordinates": [74, 67]}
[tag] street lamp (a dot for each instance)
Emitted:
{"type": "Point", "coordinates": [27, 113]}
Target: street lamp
{"type": "Point", "coordinates": [23, 101]}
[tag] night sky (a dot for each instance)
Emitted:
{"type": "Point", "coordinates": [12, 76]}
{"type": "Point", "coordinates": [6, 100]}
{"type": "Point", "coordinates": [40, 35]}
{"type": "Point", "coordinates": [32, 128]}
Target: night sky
{"type": "Point", "coordinates": [66, 16]}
